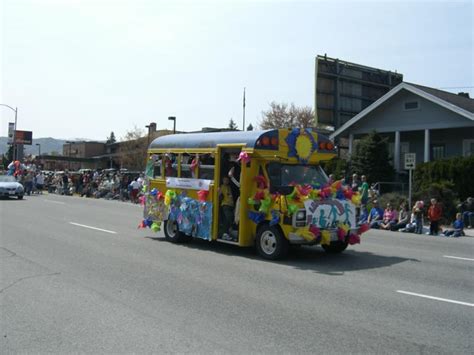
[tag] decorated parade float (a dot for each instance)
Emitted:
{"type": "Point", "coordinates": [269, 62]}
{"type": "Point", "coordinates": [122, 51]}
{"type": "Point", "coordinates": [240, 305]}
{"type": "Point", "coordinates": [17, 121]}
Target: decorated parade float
{"type": "Point", "coordinates": [281, 195]}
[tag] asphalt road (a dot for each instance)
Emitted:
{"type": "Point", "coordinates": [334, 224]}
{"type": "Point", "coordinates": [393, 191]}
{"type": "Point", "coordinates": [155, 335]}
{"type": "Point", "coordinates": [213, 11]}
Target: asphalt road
{"type": "Point", "coordinates": [65, 287]}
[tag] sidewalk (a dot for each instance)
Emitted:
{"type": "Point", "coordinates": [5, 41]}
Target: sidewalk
{"type": "Point", "coordinates": [469, 232]}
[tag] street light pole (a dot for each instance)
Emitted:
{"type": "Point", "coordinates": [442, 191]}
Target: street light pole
{"type": "Point", "coordinates": [172, 118]}
{"type": "Point", "coordinates": [70, 146]}
{"type": "Point", "coordinates": [14, 130]}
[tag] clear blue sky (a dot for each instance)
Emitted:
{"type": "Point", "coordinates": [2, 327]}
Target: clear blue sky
{"type": "Point", "coordinates": [79, 68]}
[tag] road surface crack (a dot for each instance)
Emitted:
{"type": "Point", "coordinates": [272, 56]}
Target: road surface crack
{"type": "Point", "coordinates": [27, 277]}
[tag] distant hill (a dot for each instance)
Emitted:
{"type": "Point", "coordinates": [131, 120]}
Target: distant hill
{"type": "Point", "coordinates": [48, 145]}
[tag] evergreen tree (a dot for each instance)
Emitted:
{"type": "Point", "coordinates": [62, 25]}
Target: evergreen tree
{"type": "Point", "coordinates": [111, 139]}
{"type": "Point", "coordinates": [371, 159]}
{"type": "Point", "coordinates": [250, 127]}
{"type": "Point", "coordinates": [232, 125]}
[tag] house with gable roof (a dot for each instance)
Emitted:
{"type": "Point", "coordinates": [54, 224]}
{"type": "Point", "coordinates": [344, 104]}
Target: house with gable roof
{"type": "Point", "coordinates": [431, 123]}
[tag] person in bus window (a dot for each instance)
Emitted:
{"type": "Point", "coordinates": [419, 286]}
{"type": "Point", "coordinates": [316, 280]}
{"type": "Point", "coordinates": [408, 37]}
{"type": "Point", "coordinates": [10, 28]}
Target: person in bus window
{"type": "Point", "coordinates": [227, 207]}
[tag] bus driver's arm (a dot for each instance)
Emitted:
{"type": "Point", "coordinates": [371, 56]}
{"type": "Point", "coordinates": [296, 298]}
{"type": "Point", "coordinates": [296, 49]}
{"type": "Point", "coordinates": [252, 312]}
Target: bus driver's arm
{"type": "Point", "coordinates": [232, 178]}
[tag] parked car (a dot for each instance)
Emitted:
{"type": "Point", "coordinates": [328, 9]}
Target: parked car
{"type": "Point", "coordinates": [10, 187]}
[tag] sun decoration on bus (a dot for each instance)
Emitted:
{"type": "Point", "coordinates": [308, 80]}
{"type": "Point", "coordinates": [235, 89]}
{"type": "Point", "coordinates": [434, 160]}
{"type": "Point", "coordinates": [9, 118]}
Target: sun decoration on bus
{"type": "Point", "coordinates": [301, 144]}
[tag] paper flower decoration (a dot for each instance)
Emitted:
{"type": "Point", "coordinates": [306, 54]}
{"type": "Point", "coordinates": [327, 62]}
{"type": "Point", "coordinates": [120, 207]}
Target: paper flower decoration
{"type": "Point", "coordinates": [363, 228]}
{"type": "Point", "coordinates": [202, 195]}
{"type": "Point", "coordinates": [256, 217]}
{"type": "Point", "coordinates": [261, 182]}
{"type": "Point", "coordinates": [354, 239]}
{"type": "Point", "coordinates": [325, 237]}
{"type": "Point", "coordinates": [315, 230]}
{"type": "Point", "coordinates": [275, 217]}
{"type": "Point", "coordinates": [244, 156]}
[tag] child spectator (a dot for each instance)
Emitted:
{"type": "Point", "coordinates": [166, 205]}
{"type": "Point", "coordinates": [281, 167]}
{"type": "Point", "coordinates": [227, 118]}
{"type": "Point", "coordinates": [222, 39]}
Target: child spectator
{"type": "Point", "coordinates": [458, 226]}
{"type": "Point", "coordinates": [227, 207]}
{"type": "Point", "coordinates": [418, 214]}
{"type": "Point", "coordinates": [389, 218]}
{"type": "Point", "coordinates": [375, 216]}
{"type": "Point", "coordinates": [434, 214]}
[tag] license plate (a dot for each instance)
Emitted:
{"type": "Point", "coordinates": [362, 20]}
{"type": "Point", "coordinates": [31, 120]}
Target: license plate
{"type": "Point", "coordinates": [11, 192]}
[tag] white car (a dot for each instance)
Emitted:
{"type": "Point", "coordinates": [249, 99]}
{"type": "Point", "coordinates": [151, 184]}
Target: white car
{"type": "Point", "coordinates": [10, 187]}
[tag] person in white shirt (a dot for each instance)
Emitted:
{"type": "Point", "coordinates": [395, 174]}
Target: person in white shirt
{"type": "Point", "coordinates": [39, 182]}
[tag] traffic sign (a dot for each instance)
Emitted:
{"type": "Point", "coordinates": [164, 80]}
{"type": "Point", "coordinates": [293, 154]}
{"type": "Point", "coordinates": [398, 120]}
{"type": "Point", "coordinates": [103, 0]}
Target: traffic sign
{"type": "Point", "coordinates": [410, 161]}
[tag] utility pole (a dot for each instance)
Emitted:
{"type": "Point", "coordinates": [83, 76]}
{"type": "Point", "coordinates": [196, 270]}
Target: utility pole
{"type": "Point", "coordinates": [243, 123]}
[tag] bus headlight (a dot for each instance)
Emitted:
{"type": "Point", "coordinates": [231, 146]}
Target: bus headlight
{"type": "Point", "coordinates": [301, 215]}
{"type": "Point", "coordinates": [299, 219]}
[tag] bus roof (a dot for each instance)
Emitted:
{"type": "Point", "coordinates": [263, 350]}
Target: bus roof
{"type": "Point", "coordinates": [208, 140]}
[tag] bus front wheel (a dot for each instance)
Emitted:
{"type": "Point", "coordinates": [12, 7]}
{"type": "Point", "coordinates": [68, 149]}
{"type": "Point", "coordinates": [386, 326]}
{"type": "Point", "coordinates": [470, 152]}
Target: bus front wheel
{"type": "Point", "coordinates": [172, 232]}
{"type": "Point", "coordinates": [335, 247]}
{"type": "Point", "coordinates": [270, 243]}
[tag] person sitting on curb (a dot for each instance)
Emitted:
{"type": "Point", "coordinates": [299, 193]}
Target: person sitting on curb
{"type": "Point", "coordinates": [403, 218]}
{"type": "Point", "coordinates": [458, 226]}
{"type": "Point", "coordinates": [375, 216]}
{"type": "Point", "coordinates": [389, 218]}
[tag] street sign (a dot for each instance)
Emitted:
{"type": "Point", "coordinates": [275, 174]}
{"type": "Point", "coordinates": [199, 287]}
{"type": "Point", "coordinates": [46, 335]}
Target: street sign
{"type": "Point", "coordinates": [23, 137]}
{"type": "Point", "coordinates": [410, 161]}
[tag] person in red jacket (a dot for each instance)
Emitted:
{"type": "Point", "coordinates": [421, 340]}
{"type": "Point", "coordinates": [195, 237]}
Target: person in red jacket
{"type": "Point", "coordinates": [434, 214]}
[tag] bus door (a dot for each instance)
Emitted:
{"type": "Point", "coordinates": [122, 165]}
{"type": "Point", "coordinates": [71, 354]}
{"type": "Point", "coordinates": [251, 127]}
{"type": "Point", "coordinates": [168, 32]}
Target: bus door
{"type": "Point", "coordinates": [226, 221]}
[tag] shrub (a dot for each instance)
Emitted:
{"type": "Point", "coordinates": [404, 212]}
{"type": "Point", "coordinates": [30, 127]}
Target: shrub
{"type": "Point", "coordinates": [443, 192]}
{"type": "Point", "coordinates": [395, 199]}
{"type": "Point", "coordinates": [457, 171]}
{"type": "Point", "coordinates": [337, 166]}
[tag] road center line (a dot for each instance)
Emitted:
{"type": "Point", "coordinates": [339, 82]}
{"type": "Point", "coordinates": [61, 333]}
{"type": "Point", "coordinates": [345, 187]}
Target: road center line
{"type": "Point", "coordinates": [59, 203]}
{"type": "Point", "coordinates": [436, 298]}
{"type": "Point", "coordinates": [98, 229]}
{"type": "Point", "coordinates": [457, 257]}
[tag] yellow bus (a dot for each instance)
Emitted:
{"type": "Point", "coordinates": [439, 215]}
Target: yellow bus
{"type": "Point", "coordinates": [255, 188]}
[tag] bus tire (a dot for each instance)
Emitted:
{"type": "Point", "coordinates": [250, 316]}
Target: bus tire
{"type": "Point", "coordinates": [270, 243]}
{"type": "Point", "coordinates": [335, 247]}
{"type": "Point", "coordinates": [172, 232]}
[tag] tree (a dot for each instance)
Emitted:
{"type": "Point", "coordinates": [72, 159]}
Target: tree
{"type": "Point", "coordinates": [132, 150]}
{"type": "Point", "coordinates": [282, 116]}
{"type": "Point", "coordinates": [232, 125]}
{"type": "Point", "coordinates": [111, 139]}
{"type": "Point", "coordinates": [371, 159]}
{"type": "Point", "coordinates": [250, 127]}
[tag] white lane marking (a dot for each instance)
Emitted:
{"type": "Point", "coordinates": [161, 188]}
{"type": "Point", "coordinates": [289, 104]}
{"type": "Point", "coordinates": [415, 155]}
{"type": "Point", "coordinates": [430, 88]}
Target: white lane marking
{"type": "Point", "coordinates": [436, 298]}
{"type": "Point", "coordinates": [98, 229]}
{"type": "Point", "coordinates": [59, 203]}
{"type": "Point", "coordinates": [456, 257]}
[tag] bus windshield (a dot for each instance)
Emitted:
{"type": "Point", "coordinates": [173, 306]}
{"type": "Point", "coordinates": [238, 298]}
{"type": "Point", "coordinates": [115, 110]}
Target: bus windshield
{"type": "Point", "coordinates": [288, 174]}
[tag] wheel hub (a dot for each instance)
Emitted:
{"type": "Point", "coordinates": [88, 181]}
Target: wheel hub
{"type": "Point", "coordinates": [268, 242]}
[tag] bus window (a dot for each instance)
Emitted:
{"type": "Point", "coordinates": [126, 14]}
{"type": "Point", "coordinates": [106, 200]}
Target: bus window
{"type": "Point", "coordinates": [171, 166]}
{"type": "Point", "coordinates": [206, 169]}
{"type": "Point", "coordinates": [287, 174]}
{"type": "Point", "coordinates": [186, 166]}
{"type": "Point", "coordinates": [157, 167]}
{"type": "Point", "coordinates": [206, 172]}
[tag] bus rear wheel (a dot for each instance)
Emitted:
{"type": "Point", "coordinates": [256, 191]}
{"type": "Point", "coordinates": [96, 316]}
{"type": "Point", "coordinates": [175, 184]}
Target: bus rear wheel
{"type": "Point", "coordinates": [172, 232]}
{"type": "Point", "coordinates": [270, 243]}
{"type": "Point", "coordinates": [335, 247]}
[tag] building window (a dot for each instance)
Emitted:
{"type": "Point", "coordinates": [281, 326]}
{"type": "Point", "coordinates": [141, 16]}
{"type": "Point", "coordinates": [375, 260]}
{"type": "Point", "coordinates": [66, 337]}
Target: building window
{"type": "Point", "coordinates": [438, 151]}
{"type": "Point", "coordinates": [467, 147]}
{"type": "Point", "coordinates": [411, 105]}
